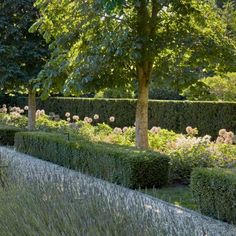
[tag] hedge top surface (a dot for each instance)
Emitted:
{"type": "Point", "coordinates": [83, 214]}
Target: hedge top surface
{"type": "Point", "coordinates": [134, 100]}
{"type": "Point", "coordinates": [3, 127]}
{"type": "Point", "coordinates": [128, 152]}
{"type": "Point", "coordinates": [123, 165]}
{"type": "Point", "coordinates": [215, 177]}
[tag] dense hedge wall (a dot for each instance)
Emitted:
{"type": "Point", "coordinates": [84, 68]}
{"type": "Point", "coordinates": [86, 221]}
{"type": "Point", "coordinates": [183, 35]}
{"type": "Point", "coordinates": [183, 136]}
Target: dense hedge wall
{"type": "Point", "coordinates": [208, 117]}
{"type": "Point", "coordinates": [122, 165]}
{"type": "Point", "coordinates": [7, 135]}
{"type": "Point", "coordinates": [8, 100]}
{"type": "Point", "coordinates": [215, 192]}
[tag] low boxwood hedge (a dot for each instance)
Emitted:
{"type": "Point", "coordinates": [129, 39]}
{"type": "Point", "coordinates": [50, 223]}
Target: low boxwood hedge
{"type": "Point", "coordinates": [215, 192]}
{"type": "Point", "coordinates": [122, 165]}
{"type": "Point", "coordinates": [7, 135]}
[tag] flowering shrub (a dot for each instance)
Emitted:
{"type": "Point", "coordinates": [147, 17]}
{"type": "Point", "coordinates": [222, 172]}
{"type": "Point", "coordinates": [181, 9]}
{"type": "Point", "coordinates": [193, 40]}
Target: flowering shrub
{"type": "Point", "coordinates": [186, 151]}
{"type": "Point", "coordinates": [160, 139]}
{"type": "Point", "coordinates": [189, 152]}
{"type": "Point", "coordinates": [12, 116]}
{"type": "Point", "coordinates": [44, 123]}
{"type": "Point", "coordinates": [226, 137]}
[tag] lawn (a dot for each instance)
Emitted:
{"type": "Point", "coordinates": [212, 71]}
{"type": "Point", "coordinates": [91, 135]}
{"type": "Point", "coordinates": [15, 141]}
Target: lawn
{"type": "Point", "coordinates": [179, 195]}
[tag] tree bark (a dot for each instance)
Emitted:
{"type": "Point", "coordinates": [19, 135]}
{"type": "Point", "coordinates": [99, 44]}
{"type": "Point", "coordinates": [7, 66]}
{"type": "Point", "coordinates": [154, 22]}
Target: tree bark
{"type": "Point", "coordinates": [31, 110]}
{"type": "Point", "coordinates": [141, 120]}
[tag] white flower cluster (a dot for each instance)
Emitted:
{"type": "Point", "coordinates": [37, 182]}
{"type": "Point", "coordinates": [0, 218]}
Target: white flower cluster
{"type": "Point", "coordinates": [226, 137]}
{"type": "Point", "coordinates": [189, 142]}
{"type": "Point", "coordinates": [3, 109]}
{"type": "Point", "coordinates": [39, 113]}
{"type": "Point", "coordinates": [191, 131]}
{"type": "Point", "coordinates": [88, 120]}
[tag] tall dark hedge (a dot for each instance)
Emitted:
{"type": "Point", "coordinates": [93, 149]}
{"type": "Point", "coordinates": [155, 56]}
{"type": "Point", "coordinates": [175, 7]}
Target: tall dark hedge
{"type": "Point", "coordinates": [7, 100]}
{"type": "Point", "coordinates": [208, 117]}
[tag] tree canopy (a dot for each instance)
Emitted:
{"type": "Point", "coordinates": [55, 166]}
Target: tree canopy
{"type": "Point", "coordinates": [216, 88]}
{"type": "Point", "coordinates": [22, 54]}
{"type": "Point", "coordinates": [97, 44]}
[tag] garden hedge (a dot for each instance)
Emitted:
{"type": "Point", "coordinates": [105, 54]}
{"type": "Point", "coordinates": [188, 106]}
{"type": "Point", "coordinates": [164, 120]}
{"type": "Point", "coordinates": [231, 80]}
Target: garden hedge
{"type": "Point", "coordinates": [122, 165]}
{"type": "Point", "coordinates": [8, 100]}
{"type": "Point", "coordinates": [7, 135]}
{"type": "Point", "coordinates": [215, 192]}
{"type": "Point", "coordinates": [208, 117]}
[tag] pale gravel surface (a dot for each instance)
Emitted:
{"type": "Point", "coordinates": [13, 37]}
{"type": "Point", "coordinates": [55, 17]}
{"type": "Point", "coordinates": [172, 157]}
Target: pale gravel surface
{"type": "Point", "coordinates": [32, 168]}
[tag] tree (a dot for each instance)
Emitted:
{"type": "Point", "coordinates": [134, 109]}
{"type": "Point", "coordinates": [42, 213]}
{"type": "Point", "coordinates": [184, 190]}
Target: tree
{"type": "Point", "coordinates": [22, 53]}
{"type": "Point", "coordinates": [216, 88]}
{"type": "Point", "coordinates": [99, 44]}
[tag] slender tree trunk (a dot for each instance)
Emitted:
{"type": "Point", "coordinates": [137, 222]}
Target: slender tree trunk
{"type": "Point", "coordinates": [31, 110]}
{"type": "Point", "coordinates": [141, 122]}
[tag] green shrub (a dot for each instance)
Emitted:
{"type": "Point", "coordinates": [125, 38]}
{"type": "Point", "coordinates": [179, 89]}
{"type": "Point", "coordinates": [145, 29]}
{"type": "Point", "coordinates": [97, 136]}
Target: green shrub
{"type": "Point", "coordinates": [215, 192]}
{"type": "Point", "coordinates": [122, 165]}
{"type": "Point", "coordinates": [208, 117]}
{"type": "Point", "coordinates": [7, 135]}
{"type": "Point", "coordinates": [164, 94]}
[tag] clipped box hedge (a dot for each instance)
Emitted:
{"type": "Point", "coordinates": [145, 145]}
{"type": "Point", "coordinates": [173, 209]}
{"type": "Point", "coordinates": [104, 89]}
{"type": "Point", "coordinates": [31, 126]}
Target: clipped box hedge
{"type": "Point", "coordinates": [208, 117]}
{"type": "Point", "coordinates": [122, 165]}
{"type": "Point", "coordinates": [7, 135]}
{"type": "Point", "coordinates": [215, 192]}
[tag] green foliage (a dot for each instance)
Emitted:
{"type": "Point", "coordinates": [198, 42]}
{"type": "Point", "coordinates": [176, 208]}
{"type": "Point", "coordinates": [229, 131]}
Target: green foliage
{"type": "Point", "coordinates": [78, 209]}
{"type": "Point", "coordinates": [208, 117]}
{"type": "Point", "coordinates": [160, 140]}
{"type": "Point", "coordinates": [184, 159]}
{"type": "Point", "coordinates": [22, 53]}
{"type": "Point", "coordinates": [44, 123]}
{"type": "Point", "coordinates": [213, 89]}
{"type": "Point", "coordinates": [13, 119]}
{"type": "Point", "coordinates": [115, 93]}
{"type": "Point", "coordinates": [215, 192]}
{"type": "Point", "coordinates": [123, 165]}
{"type": "Point", "coordinates": [164, 94]}
{"type": "Point", "coordinates": [179, 195]}
{"type": "Point", "coordinates": [7, 135]}
{"type": "Point", "coordinates": [180, 40]}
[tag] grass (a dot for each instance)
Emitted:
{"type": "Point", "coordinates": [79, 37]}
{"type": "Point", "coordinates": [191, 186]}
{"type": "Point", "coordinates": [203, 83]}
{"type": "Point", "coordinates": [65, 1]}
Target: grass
{"type": "Point", "coordinates": [179, 195]}
{"type": "Point", "coordinates": [40, 199]}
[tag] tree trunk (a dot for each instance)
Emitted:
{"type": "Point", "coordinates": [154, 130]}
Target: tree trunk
{"type": "Point", "coordinates": [141, 120]}
{"type": "Point", "coordinates": [31, 110]}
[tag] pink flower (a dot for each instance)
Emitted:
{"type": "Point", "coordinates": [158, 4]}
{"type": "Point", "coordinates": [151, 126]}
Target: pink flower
{"type": "Point", "coordinates": [90, 120]}
{"type": "Point", "coordinates": [155, 129]}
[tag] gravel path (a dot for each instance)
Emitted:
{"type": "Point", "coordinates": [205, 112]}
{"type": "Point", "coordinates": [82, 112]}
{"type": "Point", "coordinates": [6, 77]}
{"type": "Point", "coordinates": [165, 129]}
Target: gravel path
{"type": "Point", "coordinates": [178, 220]}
